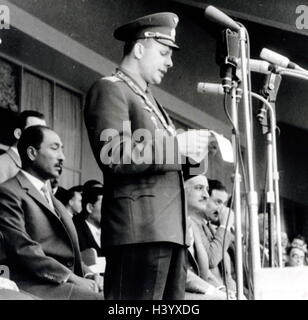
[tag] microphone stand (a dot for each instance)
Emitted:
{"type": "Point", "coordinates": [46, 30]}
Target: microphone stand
{"type": "Point", "coordinates": [231, 77]}
{"type": "Point", "coordinates": [273, 124]}
{"type": "Point", "coordinates": [270, 91]}
{"type": "Point", "coordinates": [235, 98]}
{"type": "Point", "coordinates": [273, 175]}
{"type": "Point", "coordinates": [252, 195]}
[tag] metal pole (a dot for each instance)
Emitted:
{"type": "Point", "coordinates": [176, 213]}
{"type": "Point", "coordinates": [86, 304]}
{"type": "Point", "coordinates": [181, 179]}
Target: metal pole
{"type": "Point", "coordinates": [275, 173]}
{"type": "Point", "coordinates": [237, 197]}
{"type": "Point", "coordinates": [270, 199]}
{"type": "Point", "coordinates": [252, 194]}
{"type": "Point", "coordinates": [276, 186]}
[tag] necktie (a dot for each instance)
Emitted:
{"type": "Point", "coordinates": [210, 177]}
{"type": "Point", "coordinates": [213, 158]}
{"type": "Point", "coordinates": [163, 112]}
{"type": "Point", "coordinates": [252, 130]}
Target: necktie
{"type": "Point", "coordinates": [47, 196]}
{"type": "Point", "coordinates": [211, 228]}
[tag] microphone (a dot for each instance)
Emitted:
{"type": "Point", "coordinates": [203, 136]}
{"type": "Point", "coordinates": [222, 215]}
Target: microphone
{"type": "Point", "coordinates": [279, 59]}
{"type": "Point", "coordinates": [227, 56]}
{"type": "Point", "coordinates": [221, 18]}
{"type": "Point", "coordinates": [260, 66]}
{"type": "Point", "coordinates": [211, 88]}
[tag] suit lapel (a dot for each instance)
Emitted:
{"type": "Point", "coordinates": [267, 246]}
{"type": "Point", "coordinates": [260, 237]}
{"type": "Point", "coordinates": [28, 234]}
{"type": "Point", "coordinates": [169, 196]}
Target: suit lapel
{"type": "Point", "coordinates": [14, 156]}
{"type": "Point", "coordinates": [90, 237]}
{"type": "Point", "coordinates": [68, 225]}
{"type": "Point", "coordinates": [200, 251]}
{"type": "Point", "coordinates": [61, 216]}
{"type": "Point", "coordinates": [207, 230]}
{"type": "Point", "coordinates": [59, 211]}
{"type": "Point", "coordinates": [33, 192]}
{"type": "Point", "coordinates": [193, 257]}
{"type": "Point", "coordinates": [65, 218]}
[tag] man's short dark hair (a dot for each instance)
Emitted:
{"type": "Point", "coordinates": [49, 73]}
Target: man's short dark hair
{"type": "Point", "coordinates": [24, 115]}
{"type": "Point", "coordinates": [216, 185]}
{"type": "Point", "coordinates": [66, 196]}
{"type": "Point", "coordinates": [32, 136]}
{"type": "Point", "coordinates": [128, 47]}
{"type": "Point", "coordinates": [90, 184]}
{"type": "Point", "coordinates": [90, 196]}
{"type": "Point", "coordinates": [78, 188]}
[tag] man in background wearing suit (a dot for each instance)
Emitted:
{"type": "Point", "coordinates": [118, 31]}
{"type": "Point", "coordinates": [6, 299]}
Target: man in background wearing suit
{"type": "Point", "coordinates": [201, 283]}
{"type": "Point", "coordinates": [10, 162]}
{"type": "Point", "coordinates": [217, 227]}
{"type": "Point", "coordinates": [39, 237]}
{"type": "Point", "coordinates": [87, 223]}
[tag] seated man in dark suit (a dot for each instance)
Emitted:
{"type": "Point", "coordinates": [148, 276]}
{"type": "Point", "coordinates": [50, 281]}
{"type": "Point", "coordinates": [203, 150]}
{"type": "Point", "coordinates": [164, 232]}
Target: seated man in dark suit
{"type": "Point", "coordinates": [87, 223]}
{"type": "Point", "coordinates": [39, 237]}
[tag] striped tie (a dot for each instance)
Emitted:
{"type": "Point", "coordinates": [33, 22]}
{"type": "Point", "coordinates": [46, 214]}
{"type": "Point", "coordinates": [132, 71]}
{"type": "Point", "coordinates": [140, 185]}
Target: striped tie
{"type": "Point", "coordinates": [47, 196]}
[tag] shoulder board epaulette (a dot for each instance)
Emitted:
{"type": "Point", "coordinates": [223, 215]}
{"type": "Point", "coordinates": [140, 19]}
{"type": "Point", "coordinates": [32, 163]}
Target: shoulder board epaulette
{"type": "Point", "coordinates": [112, 79]}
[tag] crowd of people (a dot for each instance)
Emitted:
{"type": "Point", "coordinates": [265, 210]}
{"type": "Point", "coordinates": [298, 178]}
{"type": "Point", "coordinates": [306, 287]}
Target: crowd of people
{"type": "Point", "coordinates": [164, 232]}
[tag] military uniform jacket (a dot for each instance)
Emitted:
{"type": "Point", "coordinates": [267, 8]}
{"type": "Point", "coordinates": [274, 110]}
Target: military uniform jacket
{"type": "Point", "coordinates": [143, 202]}
{"type": "Point", "coordinates": [10, 164]}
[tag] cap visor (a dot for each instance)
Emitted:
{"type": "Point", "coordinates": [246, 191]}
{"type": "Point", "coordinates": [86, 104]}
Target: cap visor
{"type": "Point", "coordinates": [168, 43]}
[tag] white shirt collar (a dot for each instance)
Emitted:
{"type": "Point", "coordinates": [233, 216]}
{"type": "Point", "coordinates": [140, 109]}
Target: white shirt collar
{"type": "Point", "coordinates": [38, 184]}
{"type": "Point", "coordinates": [15, 150]}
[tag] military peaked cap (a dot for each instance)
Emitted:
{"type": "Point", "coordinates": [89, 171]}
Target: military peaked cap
{"type": "Point", "coordinates": [159, 26]}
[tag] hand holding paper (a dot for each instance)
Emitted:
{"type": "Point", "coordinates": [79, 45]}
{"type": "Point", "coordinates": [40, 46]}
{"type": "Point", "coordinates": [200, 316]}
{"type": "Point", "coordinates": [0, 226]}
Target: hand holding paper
{"type": "Point", "coordinates": [225, 147]}
{"type": "Point", "coordinates": [194, 144]}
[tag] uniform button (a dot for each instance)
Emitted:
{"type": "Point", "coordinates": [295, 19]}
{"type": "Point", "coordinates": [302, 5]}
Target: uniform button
{"type": "Point", "coordinates": [69, 264]}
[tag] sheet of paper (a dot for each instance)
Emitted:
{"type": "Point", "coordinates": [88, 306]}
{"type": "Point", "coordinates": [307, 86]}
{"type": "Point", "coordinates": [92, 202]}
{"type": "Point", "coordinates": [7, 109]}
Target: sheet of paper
{"type": "Point", "coordinates": [224, 146]}
{"type": "Point", "coordinates": [190, 141]}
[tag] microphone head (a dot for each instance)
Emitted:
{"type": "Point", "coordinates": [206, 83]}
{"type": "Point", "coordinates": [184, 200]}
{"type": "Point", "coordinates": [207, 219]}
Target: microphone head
{"type": "Point", "coordinates": [259, 66]}
{"type": "Point", "coordinates": [218, 16]}
{"type": "Point", "coordinates": [274, 58]}
{"type": "Point", "coordinates": [211, 88]}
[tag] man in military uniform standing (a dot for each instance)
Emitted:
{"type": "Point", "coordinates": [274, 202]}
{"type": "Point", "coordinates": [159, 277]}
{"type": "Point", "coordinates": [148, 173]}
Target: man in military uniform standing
{"type": "Point", "coordinates": [143, 212]}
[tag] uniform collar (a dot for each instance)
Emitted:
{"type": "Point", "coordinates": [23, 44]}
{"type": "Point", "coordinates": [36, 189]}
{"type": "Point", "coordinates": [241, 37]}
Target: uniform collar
{"type": "Point", "coordinates": [136, 78]}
